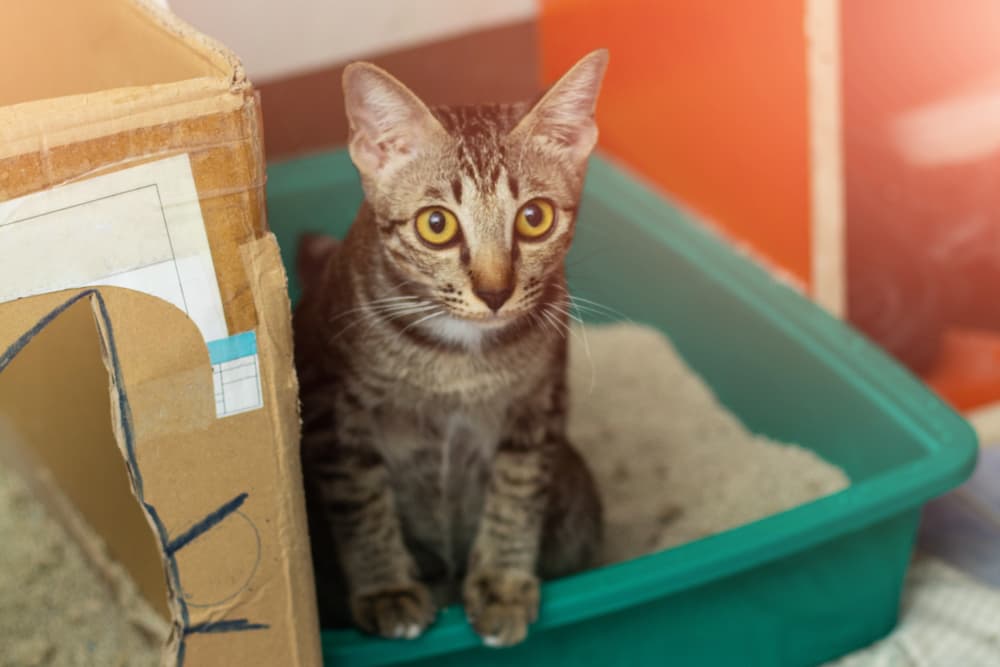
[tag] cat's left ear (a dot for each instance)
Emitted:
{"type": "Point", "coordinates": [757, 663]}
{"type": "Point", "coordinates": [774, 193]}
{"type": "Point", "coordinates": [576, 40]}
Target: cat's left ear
{"type": "Point", "coordinates": [389, 125]}
{"type": "Point", "coordinates": [564, 117]}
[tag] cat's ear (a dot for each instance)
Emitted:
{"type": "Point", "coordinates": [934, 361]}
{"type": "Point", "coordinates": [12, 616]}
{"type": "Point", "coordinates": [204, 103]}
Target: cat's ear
{"type": "Point", "coordinates": [388, 123]}
{"type": "Point", "coordinates": [564, 116]}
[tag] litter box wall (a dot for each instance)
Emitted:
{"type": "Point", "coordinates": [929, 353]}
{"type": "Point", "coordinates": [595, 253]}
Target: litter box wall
{"type": "Point", "coordinates": [134, 254]}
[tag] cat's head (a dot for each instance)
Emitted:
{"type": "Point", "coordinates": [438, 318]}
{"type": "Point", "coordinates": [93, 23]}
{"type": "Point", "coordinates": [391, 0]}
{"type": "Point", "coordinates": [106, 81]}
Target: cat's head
{"type": "Point", "coordinates": [475, 205]}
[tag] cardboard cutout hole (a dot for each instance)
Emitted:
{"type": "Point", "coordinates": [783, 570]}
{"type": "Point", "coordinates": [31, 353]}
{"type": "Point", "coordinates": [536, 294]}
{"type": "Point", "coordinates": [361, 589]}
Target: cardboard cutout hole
{"type": "Point", "coordinates": [55, 402]}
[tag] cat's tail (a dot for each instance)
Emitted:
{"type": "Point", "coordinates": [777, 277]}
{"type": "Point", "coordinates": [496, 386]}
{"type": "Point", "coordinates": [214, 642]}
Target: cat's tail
{"type": "Point", "coordinates": [314, 252]}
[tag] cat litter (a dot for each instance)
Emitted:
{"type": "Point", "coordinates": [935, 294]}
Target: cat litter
{"type": "Point", "coordinates": [672, 464]}
{"type": "Point", "coordinates": [55, 609]}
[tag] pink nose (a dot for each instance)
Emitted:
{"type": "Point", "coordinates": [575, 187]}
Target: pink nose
{"type": "Point", "coordinates": [495, 299]}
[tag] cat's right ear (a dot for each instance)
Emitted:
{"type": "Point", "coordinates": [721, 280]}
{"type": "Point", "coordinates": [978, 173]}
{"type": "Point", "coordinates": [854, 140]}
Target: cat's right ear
{"type": "Point", "coordinates": [563, 119]}
{"type": "Point", "coordinates": [389, 125]}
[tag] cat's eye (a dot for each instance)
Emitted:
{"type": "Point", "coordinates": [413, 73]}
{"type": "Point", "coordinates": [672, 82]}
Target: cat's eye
{"type": "Point", "coordinates": [437, 226]}
{"type": "Point", "coordinates": [534, 219]}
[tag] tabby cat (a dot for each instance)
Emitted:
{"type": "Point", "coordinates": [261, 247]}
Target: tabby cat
{"type": "Point", "coordinates": [431, 350]}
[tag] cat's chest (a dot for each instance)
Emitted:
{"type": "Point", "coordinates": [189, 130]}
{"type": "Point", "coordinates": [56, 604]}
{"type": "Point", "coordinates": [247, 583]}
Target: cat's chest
{"type": "Point", "coordinates": [439, 472]}
{"type": "Point", "coordinates": [420, 439]}
{"type": "Point", "coordinates": [457, 379]}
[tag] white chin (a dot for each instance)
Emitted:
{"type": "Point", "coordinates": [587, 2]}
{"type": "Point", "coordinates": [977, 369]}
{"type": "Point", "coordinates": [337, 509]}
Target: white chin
{"type": "Point", "coordinates": [468, 333]}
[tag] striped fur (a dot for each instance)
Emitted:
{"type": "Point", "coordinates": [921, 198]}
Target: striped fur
{"type": "Point", "coordinates": [434, 445]}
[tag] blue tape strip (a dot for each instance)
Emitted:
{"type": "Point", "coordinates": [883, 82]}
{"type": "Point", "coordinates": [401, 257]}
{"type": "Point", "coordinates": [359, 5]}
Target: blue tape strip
{"type": "Point", "coordinates": [227, 349]}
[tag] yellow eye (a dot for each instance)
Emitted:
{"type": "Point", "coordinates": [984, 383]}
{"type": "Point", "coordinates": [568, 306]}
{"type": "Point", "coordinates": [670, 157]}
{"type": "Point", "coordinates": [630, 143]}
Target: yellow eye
{"type": "Point", "coordinates": [437, 226]}
{"type": "Point", "coordinates": [535, 219]}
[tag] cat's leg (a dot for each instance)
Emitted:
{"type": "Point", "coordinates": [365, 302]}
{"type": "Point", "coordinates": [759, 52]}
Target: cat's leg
{"type": "Point", "coordinates": [381, 576]}
{"type": "Point", "coordinates": [501, 588]}
{"type": "Point", "coordinates": [573, 528]}
{"type": "Point", "coordinates": [543, 513]}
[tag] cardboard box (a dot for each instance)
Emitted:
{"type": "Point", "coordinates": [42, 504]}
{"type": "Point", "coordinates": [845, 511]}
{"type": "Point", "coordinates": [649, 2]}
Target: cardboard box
{"type": "Point", "coordinates": [135, 254]}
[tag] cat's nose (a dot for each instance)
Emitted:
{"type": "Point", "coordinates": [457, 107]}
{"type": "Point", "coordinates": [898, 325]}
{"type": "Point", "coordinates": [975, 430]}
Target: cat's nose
{"type": "Point", "coordinates": [494, 298]}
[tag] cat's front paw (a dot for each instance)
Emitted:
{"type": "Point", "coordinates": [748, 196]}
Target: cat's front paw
{"type": "Point", "coordinates": [501, 604]}
{"type": "Point", "coordinates": [398, 612]}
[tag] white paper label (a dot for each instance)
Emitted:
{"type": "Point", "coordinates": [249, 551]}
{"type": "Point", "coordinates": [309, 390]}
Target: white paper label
{"type": "Point", "coordinates": [139, 228]}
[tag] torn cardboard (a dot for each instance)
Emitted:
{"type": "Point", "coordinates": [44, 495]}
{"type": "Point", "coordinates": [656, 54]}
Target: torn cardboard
{"type": "Point", "coordinates": [131, 205]}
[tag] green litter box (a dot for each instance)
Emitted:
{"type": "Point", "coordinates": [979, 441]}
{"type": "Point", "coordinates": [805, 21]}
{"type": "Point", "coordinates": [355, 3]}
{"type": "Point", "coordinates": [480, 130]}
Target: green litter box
{"type": "Point", "coordinates": [797, 588]}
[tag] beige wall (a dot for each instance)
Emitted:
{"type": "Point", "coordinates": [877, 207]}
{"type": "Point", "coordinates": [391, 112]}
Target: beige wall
{"type": "Point", "coordinates": [276, 38]}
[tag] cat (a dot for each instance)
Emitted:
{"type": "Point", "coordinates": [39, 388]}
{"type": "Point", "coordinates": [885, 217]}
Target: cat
{"type": "Point", "coordinates": [431, 352]}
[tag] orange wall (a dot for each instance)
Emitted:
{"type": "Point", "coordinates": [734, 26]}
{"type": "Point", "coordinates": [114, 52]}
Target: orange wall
{"type": "Point", "coordinates": [708, 100]}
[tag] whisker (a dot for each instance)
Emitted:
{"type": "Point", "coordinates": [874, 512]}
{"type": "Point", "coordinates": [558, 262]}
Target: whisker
{"type": "Point", "coordinates": [405, 281]}
{"type": "Point", "coordinates": [562, 308]}
{"type": "Point", "coordinates": [540, 322]}
{"type": "Point", "coordinates": [353, 323]}
{"type": "Point", "coordinates": [371, 305]}
{"type": "Point", "coordinates": [586, 347]}
{"type": "Point", "coordinates": [594, 308]}
{"type": "Point", "coordinates": [580, 333]}
{"type": "Point", "coordinates": [388, 311]}
{"type": "Point", "coordinates": [398, 313]}
{"type": "Point", "coordinates": [394, 298]}
{"type": "Point", "coordinates": [349, 311]}
{"type": "Point", "coordinates": [437, 313]}
{"type": "Point", "coordinates": [583, 301]}
{"type": "Point", "coordinates": [597, 307]}
{"type": "Point", "coordinates": [553, 318]}
{"type": "Point", "coordinates": [404, 308]}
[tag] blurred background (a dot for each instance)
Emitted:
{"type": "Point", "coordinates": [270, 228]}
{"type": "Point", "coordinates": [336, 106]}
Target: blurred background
{"type": "Point", "coordinates": [852, 147]}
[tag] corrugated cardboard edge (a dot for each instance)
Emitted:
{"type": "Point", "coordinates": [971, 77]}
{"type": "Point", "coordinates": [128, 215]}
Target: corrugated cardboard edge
{"type": "Point", "coordinates": [201, 44]}
{"type": "Point", "coordinates": [274, 334]}
{"type": "Point", "coordinates": [121, 423]}
{"type": "Point", "coordinates": [39, 126]}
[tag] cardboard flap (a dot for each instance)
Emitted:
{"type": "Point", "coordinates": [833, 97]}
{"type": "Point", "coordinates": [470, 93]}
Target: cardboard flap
{"type": "Point", "coordinates": [55, 411]}
{"type": "Point", "coordinates": [212, 490]}
{"type": "Point", "coordinates": [150, 69]}
{"type": "Point", "coordinates": [68, 47]}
